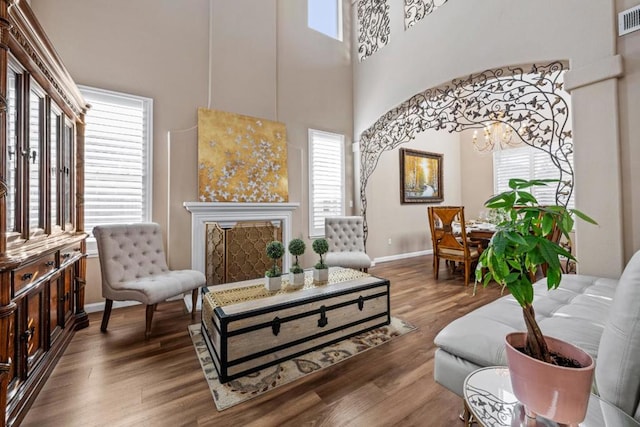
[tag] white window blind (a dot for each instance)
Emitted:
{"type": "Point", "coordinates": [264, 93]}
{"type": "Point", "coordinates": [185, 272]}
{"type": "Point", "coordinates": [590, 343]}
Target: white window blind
{"type": "Point", "coordinates": [326, 178]}
{"type": "Point", "coordinates": [117, 158]}
{"type": "Point", "coordinates": [527, 163]}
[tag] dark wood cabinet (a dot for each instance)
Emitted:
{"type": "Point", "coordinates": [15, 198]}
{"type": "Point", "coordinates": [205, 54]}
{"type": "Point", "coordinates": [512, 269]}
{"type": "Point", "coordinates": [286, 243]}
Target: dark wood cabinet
{"type": "Point", "coordinates": [42, 242]}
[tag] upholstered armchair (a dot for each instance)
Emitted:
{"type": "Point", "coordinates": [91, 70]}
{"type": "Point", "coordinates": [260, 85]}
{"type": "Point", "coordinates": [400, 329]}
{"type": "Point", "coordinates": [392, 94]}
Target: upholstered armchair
{"type": "Point", "coordinates": [345, 235]}
{"type": "Point", "coordinates": [134, 268]}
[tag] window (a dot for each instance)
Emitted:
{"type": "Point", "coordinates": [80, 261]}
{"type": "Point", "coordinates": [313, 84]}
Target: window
{"type": "Point", "coordinates": [117, 158]}
{"type": "Point", "coordinates": [527, 163]}
{"type": "Point", "coordinates": [326, 178]}
{"type": "Point", "coordinates": [325, 16]}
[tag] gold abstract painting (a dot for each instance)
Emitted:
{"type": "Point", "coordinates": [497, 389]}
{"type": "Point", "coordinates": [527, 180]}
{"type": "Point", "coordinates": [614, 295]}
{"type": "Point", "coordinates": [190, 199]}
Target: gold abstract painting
{"type": "Point", "coordinates": [241, 158]}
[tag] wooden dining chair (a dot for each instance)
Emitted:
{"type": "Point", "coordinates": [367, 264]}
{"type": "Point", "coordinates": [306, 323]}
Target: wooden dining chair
{"type": "Point", "coordinates": [449, 244]}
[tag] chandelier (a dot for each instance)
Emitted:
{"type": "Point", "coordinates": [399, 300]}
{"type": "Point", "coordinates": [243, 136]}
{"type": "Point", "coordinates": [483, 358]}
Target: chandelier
{"type": "Point", "coordinates": [497, 136]}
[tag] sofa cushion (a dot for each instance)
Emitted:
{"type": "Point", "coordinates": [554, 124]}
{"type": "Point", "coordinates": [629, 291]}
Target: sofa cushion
{"type": "Point", "coordinates": [575, 312]}
{"type": "Point", "coordinates": [618, 367]}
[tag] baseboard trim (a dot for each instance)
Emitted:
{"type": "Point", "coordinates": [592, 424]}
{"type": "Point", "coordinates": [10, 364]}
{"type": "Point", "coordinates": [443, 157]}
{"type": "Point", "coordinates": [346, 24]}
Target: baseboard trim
{"type": "Point", "coordinates": [99, 306]}
{"type": "Point", "coordinates": [402, 256]}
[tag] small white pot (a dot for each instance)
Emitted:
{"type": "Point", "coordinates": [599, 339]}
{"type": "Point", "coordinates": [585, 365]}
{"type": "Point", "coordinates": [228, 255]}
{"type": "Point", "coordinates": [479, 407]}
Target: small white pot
{"type": "Point", "coordinates": [273, 283]}
{"type": "Point", "coordinates": [320, 275]}
{"type": "Point", "coordinates": [296, 280]}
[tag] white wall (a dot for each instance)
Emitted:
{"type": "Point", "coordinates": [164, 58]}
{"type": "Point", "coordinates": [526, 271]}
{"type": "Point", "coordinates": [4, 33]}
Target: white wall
{"type": "Point", "coordinates": [461, 38]}
{"type": "Point", "coordinates": [265, 62]}
{"type": "Point", "coordinates": [407, 225]}
{"type": "Point", "coordinates": [477, 176]}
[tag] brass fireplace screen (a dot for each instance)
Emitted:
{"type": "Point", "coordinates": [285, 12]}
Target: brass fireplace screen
{"type": "Point", "coordinates": [238, 252]}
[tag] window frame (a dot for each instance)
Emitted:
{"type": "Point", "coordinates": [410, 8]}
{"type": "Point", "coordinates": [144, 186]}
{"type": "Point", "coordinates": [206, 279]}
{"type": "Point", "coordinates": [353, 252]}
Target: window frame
{"type": "Point", "coordinates": [531, 160]}
{"type": "Point", "coordinates": [317, 232]}
{"type": "Point", "coordinates": [339, 22]}
{"type": "Point", "coordinates": [147, 163]}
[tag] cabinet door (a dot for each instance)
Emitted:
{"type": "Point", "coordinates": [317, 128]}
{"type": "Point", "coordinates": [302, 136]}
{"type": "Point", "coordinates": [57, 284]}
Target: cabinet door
{"type": "Point", "coordinates": [67, 297]}
{"type": "Point", "coordinates": [55, 286]}
{"type": "Point", "coordinates": [56, 169]}
{"type": "Point", "coordinates": [13, 156]}
{"type": "Point", "coordinates": [32, 336]}
{"type": "Point", "coordinates": [68, 177]}
{"type": "Point", "coordinates": [12, 375]}
{"type": "Point", "coordinates": [35, 160]}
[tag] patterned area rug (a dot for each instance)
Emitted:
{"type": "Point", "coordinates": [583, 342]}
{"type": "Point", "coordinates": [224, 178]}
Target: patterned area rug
{"type": "Point", "coordinates": [253, 385]}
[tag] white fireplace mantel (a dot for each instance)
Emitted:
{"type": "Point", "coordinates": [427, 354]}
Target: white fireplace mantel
{"type": "Point", "coordinates": [230, 212]}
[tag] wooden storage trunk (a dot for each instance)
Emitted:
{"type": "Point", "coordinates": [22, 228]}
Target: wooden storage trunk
{"type": "Point", "coordinates": [265, 328]}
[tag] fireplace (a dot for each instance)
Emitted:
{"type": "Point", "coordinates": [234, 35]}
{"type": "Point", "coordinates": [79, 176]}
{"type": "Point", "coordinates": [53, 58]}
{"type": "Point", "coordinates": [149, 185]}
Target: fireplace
{"type": "Point", "coordinates": [214, 223]}
{"type": "Point", "coordinates": [238, 253]}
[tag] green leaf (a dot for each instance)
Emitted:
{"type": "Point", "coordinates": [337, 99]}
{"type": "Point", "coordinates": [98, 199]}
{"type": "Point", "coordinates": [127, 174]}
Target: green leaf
{"type": "Point", "coordinates": [511, 277]}
{"type": "Point", "coordinates": [553, 277]}
{"type": "Point", "coordinates": [515, 238]}
{"type": "Point", "coordinates": [527, 289]}
{"type": "Point", "coordinates": [517, 292]}
{"type": "Point", "coordinates": [499, 243]}
{"type": "Point", "coordinates": [516, 183]}
{"type": "Point", "coordinates": [524, 198]}
{"type": "Point", "coordinates": [548, 252]}
{"type": "Point", "coordinates": [547, 224]}
{"type": "Point", "coordinates": [584, 216]}
{"type": "Point", "coordinates": [513, 264]}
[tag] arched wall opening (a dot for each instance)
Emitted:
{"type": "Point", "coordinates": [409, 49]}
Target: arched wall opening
{"type": "Point", "coordinates": [528, 99]}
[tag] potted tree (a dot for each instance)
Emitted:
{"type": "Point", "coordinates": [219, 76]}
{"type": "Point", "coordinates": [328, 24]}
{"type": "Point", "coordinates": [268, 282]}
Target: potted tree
{"type": "Point", "coordinates": [296, 273]}
{"type": "Point", "coordinates": [550, 377]}
{"type": "Point", "coordinates": [273, 276]}
{"type": "Point", "coordinates": [320, 270]}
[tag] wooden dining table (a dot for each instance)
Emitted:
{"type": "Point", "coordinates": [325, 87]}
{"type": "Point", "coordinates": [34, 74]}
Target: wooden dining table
{"type": "Point", "coordinates": [479, 231]}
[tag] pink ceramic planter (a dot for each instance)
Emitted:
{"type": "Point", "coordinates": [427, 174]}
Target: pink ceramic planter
{"type": "Point", "coordinates": [554, 392]}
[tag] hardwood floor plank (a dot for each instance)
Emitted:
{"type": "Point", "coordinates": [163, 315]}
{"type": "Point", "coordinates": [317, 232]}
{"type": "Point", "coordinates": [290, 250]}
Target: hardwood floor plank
{"type": "Point", "coordinates": [119, 379]}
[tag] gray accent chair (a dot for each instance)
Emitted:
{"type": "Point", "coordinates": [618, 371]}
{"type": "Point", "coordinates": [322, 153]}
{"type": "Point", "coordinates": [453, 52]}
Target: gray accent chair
{"type": "Point", "coordinates": [134, 268]}
{"type": "Point", "coordinates": [345, 235]}
{"type": "Point", "coordinates": [599, 315]}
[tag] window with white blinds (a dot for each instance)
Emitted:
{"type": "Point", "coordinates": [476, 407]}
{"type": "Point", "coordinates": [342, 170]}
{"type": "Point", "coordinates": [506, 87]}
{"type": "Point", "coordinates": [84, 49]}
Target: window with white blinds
{"type": "Point", "coordinates": [527, 163]}
{"type": "Point", "coordinates": [326, 178]}
{"type": "Point", "coordinates": [117, 158]}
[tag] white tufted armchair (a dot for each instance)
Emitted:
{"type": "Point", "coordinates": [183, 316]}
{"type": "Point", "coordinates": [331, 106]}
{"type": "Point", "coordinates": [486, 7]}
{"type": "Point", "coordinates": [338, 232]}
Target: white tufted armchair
{"type": "Point", "coordinates": [134, 267]}
{"type": "Point", "coordinates": [345, 235]}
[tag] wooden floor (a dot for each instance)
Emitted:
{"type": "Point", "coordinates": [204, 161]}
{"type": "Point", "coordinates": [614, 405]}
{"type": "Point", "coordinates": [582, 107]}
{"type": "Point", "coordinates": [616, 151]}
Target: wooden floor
{"type": "Point", "coordinates": [119, 379]}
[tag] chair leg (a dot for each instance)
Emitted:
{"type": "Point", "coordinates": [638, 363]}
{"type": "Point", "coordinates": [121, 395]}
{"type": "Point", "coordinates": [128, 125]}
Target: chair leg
{"type": "Point", "coordinates": [467, 267]}
{"type": "Point", "coordinates": [105, 316]}
{"type": "Point", "coordinates": [436, 266]}
{"type": "Point", "coordinates": [194, 301]}
{"type": "Point", "coordinates": [150, 309]}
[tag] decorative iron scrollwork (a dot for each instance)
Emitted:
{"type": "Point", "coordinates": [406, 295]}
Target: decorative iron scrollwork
{"type": "Point", "coordinates": [415, 10]}
{"type": "Point", "coordinates": [533, 103]}
{"type": "Point", "coordinates": [374, 28]}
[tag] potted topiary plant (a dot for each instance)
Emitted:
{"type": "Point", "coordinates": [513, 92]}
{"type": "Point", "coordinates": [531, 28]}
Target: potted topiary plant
{"type": "Point", "coordinates": [273, 276]}
{"type": "Point", "coordinates": [526, 240]}
{"type": "Point", "coordinates": [320, 270]}
{"type": "Point", "coordinates": [296, 273]}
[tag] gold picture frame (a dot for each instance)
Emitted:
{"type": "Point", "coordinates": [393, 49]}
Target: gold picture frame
{"type": "Point", "coordinates": [420, 177]}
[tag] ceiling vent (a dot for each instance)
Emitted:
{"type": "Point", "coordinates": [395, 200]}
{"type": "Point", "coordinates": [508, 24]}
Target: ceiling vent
{"type": "Point", "coordinates": [629, 20]}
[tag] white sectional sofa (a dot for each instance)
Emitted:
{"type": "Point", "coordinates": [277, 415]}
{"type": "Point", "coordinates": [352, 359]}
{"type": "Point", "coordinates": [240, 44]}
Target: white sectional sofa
{"type": "Point", "coordinates": [601, 316]}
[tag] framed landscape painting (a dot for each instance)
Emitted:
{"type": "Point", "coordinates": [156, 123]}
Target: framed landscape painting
{"type": "Point", "coordinates": [420, 177]}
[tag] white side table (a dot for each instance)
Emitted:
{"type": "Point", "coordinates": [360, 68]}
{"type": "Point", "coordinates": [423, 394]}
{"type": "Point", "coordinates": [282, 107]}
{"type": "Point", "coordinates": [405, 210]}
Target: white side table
{"type": "Point", "coordinates": [489, 401]}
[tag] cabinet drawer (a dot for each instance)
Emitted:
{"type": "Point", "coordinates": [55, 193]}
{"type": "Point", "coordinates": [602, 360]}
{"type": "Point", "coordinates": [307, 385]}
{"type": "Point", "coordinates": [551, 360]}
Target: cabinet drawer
{"type": "Point", "coordinates": [69, 252]}
{"type": "Point", "coordinates": [24, 276]}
